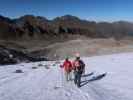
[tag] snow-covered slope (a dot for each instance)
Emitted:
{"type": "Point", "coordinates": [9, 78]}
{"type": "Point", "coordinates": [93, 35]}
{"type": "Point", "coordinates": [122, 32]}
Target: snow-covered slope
{"type": "Point", "coordinates": [47, 81]}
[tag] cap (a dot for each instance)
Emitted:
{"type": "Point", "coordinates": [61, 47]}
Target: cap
{"type": "Point", "coordinates": [66, 57]}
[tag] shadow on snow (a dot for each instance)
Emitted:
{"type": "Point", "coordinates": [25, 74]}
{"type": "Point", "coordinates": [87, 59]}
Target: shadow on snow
{"type": "Point", "coordinates": [98, 77]}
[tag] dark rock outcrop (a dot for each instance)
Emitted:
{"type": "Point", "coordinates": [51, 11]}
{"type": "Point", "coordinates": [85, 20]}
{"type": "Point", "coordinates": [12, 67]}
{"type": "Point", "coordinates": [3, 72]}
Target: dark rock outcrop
{"type": "Point", "coordinates": [12, 56]}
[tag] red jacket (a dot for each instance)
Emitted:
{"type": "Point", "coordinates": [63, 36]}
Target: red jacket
{"type": "Point", "coordinates": [67, 65]}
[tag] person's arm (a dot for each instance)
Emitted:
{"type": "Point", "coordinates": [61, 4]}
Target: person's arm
{"type": "Point", "coordinates": [62, 66]}
{"type": "Point", "coordinates": [83, 65]}
{"type": "Point", "coordinates": [73, 65]}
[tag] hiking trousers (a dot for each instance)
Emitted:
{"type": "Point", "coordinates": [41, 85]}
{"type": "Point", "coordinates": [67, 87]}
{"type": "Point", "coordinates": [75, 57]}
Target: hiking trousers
{"type": "Point", "coordinates": [77, 78]}
{"type": "Point", "coordinates": [68, 76]}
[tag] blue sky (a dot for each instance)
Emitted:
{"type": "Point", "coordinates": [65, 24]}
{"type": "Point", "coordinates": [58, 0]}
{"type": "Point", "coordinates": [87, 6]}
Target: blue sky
{"type": "Point", "coordinates": [98, 10]}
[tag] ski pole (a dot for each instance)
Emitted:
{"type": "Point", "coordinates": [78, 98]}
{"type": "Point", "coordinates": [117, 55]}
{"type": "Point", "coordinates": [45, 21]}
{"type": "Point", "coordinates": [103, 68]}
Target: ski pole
{"type": "Point", "coordinates": [61, 75]}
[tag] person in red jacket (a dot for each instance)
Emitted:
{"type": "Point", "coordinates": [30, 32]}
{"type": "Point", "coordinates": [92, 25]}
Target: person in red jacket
{"type": "Point", "coordinates": [67, 65]}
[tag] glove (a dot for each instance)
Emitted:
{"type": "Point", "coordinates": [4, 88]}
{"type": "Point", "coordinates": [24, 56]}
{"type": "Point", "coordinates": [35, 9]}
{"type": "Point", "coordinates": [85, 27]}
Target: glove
{"type": "Point", "coordinates": [61, 66]}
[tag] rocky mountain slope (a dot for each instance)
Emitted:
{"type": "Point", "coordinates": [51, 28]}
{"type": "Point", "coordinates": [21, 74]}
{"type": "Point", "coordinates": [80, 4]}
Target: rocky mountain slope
{"type": "Point", "coordinates": [65, 35]}
{"type": "Point", "coordinates": [36, 27]}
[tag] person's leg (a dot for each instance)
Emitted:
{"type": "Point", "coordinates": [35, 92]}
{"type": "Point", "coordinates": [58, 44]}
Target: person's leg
{"type": "Point", "coordinates": [66, 76]}
{"type": "Point", "coordinates": [70, 76]}
{"type": "Point", "coordinates": [75, 77]}
{"type": "Point", "coordinates": [78, 79]}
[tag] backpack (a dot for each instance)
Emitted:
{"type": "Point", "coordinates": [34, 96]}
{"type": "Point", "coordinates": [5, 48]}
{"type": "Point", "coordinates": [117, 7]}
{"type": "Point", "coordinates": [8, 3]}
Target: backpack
{"type": "Point", "coordinates": [80, 66]}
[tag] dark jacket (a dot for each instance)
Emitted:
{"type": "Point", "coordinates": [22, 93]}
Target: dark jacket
{"type": "Point", "coordinates": [79, 66]}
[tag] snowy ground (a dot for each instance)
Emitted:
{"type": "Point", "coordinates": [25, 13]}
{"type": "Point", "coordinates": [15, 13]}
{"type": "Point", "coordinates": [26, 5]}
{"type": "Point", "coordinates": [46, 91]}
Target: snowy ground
{"type": "Point", "coordinates": [46, 82]}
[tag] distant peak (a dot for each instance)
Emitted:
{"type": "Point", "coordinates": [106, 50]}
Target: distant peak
{"type": "Point", "coordinates": [27, 16]}
{"type": "Point", "coordinates": [2, 18]}
{"type": "Point", "coordinates": [67, 17]}
{"type": "Point", "coordinates": [42, 18]}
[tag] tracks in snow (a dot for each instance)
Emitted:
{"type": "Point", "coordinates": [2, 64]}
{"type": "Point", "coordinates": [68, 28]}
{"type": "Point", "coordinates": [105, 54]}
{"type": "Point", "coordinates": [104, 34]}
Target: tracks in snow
{"type": "Point", "coordinates": [46, 84]}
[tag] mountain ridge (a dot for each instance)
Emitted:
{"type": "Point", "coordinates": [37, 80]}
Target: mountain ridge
{"type": "Point", "coordinates": [38, 27]}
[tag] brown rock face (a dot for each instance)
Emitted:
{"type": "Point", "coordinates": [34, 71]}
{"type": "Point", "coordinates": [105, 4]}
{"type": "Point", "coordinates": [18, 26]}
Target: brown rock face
{"type": "Point", "coordinates": [36, 27]}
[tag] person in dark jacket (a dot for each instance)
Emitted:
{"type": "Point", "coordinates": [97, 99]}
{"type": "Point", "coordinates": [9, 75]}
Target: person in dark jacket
{"type": "Point", "coordinates": [79, 69]}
